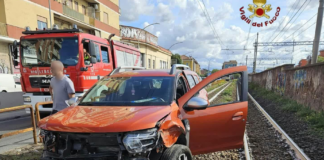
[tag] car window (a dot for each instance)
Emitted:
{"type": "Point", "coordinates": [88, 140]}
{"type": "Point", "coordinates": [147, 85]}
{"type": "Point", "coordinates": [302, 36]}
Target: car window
{"type": "Point", "coordinates": [190, 81]}
{"type": "Point", "coordinates": [181, 87]}
{"type": "Point", "coordinates": [131, 91]}
{"type": "Point", "coordinates": [196, 79]}
{"type": "Point", "coordinates": [224, 90]}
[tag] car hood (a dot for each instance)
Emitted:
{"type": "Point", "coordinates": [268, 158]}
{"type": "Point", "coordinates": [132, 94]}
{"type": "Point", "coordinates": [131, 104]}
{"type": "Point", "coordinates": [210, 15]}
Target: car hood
{"type": "Point", "coordinates": [104, 118]}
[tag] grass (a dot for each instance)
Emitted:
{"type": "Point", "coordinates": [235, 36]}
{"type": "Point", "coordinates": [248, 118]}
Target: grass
{"type": "Point", "coordinates": [227, 94]}
{"type": "Point", "coordinates": [315, 119]}
{"type": "Point", "coordinates": [216, 84]}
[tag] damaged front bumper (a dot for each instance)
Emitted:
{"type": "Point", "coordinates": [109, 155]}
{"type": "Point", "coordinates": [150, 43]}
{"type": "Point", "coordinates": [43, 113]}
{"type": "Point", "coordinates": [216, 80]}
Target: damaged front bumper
{"type": "Point", "coordinates": [129, 146]}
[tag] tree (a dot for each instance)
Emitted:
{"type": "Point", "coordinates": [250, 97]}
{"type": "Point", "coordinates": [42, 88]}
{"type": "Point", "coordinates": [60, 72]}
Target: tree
{"type": "Point", "coordinates": [177, 57]}
{"type": "Point", "coordinates": [320, 59]}
{"type": "Point", "coordinates": [214, 70]}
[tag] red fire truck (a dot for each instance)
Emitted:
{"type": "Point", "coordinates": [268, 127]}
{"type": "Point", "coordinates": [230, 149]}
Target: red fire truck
{"type": "Point", "coordinates": [35, 51]}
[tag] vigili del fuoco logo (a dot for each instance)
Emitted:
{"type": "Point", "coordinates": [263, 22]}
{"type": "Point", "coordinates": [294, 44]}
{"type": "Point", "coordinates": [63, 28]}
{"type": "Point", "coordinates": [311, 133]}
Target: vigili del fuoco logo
{"type": "Point", "coordinates": [259, 9]}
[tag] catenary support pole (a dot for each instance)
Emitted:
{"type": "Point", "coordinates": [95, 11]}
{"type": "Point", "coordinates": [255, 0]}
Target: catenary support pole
{"type": "Point", "coordinates": [255, 52]}
{"type": "Point", "coordinates": [317, 31]}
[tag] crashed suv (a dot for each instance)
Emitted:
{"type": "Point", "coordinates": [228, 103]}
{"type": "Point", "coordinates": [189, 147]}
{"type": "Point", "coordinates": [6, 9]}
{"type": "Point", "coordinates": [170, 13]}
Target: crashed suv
{"type": "Point", "coordinates": [147, 114]}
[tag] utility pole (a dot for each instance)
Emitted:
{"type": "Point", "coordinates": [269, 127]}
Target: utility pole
{"type": "Point", "coordinates": [50, 13]}
{"type": "Point", "coordinates": [255, 52]}
{"type": "Point", "coordinates": [246, 59]}
{"type": "Point", "coordinates": [317, 31]}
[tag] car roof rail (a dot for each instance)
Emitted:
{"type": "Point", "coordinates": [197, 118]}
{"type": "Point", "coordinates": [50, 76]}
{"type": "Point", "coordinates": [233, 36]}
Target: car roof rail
{"type": "Point", "coordinates": [117, 70]}
{"type": "Point", "coordinates": [179, 66]}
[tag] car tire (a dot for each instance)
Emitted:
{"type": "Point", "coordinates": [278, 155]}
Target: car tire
{"type": "Point", "coordinates": [177, 152]}
{"type": "Point", "coordinates": [4, 91]}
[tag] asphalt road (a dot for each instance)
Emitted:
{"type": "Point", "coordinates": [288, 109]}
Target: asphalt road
{"type": "Point", "coordinates": [8, 100]}
{"type": "Point", "coordinates": [18, 140]}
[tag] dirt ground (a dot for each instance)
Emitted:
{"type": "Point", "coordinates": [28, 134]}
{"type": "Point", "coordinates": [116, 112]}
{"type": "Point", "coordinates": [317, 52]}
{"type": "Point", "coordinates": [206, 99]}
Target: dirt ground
{"type": "Point", "coordinates": [30, 152]}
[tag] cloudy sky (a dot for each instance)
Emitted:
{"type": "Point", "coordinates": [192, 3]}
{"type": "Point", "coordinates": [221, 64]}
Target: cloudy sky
{"type": "Point", "coordinates": [185, 21]}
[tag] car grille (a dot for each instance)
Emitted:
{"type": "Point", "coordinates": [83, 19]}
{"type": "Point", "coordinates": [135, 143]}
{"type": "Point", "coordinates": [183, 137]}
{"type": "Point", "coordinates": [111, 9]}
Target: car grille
{"type": "Point", "coordinates": [40, 82]}
{"type": "Point", "coordinates": [77, 145]}
{"type": "Point", "coordinates": [47, 105]}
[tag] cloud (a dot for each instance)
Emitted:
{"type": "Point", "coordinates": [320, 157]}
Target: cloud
{"type": "Point", "coordinates": [163, 13]}
{"type": "Point", "coordinates": [184, 21]}
{"type": "Point", "coordinates": [132, 9]}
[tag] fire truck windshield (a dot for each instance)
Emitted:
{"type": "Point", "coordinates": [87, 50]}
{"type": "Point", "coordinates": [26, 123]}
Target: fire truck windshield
{"type": "Point", "coordinates": [41, 52]}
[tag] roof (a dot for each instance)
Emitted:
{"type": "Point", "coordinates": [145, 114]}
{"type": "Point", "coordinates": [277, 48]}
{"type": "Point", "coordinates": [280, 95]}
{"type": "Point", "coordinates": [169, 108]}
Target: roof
{"type": "Point", "coordinates": [231, 61]}
{"type": "Point", "coordinates": [165, 50]}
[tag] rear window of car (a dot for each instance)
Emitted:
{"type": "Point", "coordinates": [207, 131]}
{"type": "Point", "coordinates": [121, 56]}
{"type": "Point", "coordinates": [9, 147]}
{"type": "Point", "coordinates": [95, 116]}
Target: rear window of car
{"type": "Point", "coordinates": [190, 80]}
{"type": "Point", "coordinates": [130, 91]}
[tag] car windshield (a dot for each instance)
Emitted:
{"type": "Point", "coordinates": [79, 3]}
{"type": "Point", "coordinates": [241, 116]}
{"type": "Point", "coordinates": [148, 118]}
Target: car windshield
{"type": "Point", "coordinates": [130, 91]}
{"type": "Point", "coordinates": [41, 52]}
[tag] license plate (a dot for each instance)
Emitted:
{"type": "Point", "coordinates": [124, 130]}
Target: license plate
{"type": "Point", "coordinates": [48, 99]}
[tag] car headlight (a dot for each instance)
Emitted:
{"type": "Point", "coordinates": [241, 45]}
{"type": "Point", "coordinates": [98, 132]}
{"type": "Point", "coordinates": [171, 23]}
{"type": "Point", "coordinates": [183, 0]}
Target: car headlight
{"type": "Point", "coordinates": [141, 141]}
{"type": "Point", "coordinates": [27, 99]}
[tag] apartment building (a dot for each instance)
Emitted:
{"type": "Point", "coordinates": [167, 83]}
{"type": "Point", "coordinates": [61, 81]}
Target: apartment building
{"type": "Point", "coordinates": [153, 56]}
{"type": "Point", "coordinates": [231, 63]}
{"type": "Point", "coordinates": [97, 17]}
{"type": "Point", "coordinates": [192, 63]}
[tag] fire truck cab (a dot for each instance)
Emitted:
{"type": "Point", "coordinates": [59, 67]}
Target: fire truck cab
{"type": "Point", "coordinates": [35, 52]}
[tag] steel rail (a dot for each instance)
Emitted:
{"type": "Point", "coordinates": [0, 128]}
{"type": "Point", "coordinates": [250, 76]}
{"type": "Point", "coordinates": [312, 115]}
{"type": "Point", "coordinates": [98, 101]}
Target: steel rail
{"type": "Point", "coordinates": [298, 152]}
{"type": "Point", "coordinates": [246, 148]}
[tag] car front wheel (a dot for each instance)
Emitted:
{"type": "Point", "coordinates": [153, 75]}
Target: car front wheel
{"type": "Point", "coordinates": [177, 152]}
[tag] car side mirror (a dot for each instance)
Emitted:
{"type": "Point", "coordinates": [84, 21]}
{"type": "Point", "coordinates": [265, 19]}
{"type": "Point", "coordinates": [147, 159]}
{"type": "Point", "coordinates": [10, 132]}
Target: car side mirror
{"type": "Point", "coordinates": [93, 60]}
{"type": "Point", "coordinates": [92, 49]}
{"type": "Point", "coordinates": [196, 103]}
{"type": "Point", "coordinates": [15, 63]}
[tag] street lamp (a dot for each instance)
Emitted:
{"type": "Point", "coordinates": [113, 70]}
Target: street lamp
{"type": "Point", "coordinates": [144, 30]}
{"type": "Point", "coordinates": [138, 45]}
{"type": "Point", "coordinates": [174, 44]}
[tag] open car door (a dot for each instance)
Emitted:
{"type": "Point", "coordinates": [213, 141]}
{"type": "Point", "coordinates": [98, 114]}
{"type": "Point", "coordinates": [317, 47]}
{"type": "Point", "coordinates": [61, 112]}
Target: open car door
{"type": "Point", "coordinates": [219, 124]}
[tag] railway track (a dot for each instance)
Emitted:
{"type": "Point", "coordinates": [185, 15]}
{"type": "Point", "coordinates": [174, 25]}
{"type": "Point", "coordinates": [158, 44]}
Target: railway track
{"type": "Point", "coordinates": [291, 147]}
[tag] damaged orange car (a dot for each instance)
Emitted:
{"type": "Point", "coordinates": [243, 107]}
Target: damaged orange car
{"type": "Point", "coordinates": [150, 114]}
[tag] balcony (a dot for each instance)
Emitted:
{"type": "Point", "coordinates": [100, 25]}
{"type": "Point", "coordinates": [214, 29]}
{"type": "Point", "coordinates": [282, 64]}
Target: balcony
{"type": "Point", "coordinates": [3, 29]}
{"type": "Point", "coordinates": [72, 13]}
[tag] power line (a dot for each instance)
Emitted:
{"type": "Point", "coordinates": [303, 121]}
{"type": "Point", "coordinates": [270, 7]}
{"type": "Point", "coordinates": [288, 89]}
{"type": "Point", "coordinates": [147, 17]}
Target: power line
{"type": "Point", "coordinates": [283, 20]}
{"type": "Point", "coordinates": [300, 27]}
{"type": "Point", "coordinates": [209, 21]}
{"type": "Point", "coordinates": [289, 21]}
{"type": "Point", "coordinates": [247, 40]}
{"type": "Point", "coordinates": [296, 18]}
{"type": "Point", "coordinates": [305, 29]}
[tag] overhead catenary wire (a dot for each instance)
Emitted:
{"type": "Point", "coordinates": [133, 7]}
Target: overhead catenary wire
{"type": "Point", "coordinates": [301, 28]}
{"type": "Point", "coordinates": [289, 21]}
{"type": "Point", "coordinates": [209, 21]}
{"type": "Point", "coordinates": [291, 24]}
{"type": "Point", "coordinates": [283, 20]}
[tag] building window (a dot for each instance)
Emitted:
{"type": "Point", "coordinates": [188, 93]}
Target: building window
{"type": "Point", "coordinates": [84, 10]}
{"type": "Point", "coordinates": [167, 66]}
{"type": "Point", "coordinates": [149, 63]}
{"type": "Point", "coordinates": [76, 6]}
{"type": "Point", "coordinates": [187, 64]}
{"type": "Point", "coordinates": [41, 22]}
{"type": "Point", "coordinates": [160, 64]}
{"type": "Point", "coordinates": [153, 64]}
{"type": "Point", "coordinates": [69, 3]}
{"type": "Point", "coordinates": [105, 18]}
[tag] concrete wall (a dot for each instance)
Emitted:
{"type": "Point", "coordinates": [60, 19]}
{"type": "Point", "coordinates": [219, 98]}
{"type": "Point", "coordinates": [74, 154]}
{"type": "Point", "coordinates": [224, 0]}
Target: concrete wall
{"type": "Point", "coordinates": [302, 84]}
